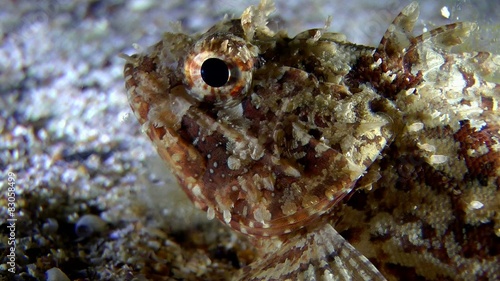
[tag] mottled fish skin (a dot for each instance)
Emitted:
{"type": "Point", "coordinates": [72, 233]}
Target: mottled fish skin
{"type": "Point", "coordinates": [293, 140]}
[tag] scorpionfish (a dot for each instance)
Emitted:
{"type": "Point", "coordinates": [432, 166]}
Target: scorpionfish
{"type": "Point", "coordinates": [339, 161]}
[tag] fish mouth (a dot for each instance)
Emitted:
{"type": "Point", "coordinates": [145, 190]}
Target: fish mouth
{"type": "Point", "coordinates": [251, 196]}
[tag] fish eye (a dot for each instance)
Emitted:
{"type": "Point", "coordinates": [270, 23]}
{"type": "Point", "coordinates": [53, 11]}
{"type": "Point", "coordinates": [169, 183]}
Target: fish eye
{"type": "Point", "coordinates": [215, 72]}
{"type": "Point", "coordinates": [218, 69]}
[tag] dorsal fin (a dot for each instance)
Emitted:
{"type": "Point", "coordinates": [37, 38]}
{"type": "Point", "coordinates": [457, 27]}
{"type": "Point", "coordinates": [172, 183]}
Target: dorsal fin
{"type": "Point", "coordinates": [398, 35]}
{"type": "Point", "coordinates": [399, 41]}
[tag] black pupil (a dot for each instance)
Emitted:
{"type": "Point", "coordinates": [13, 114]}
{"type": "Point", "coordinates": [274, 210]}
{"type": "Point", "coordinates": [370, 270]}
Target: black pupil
{"type": "Point", "coordinates": [215, 72]}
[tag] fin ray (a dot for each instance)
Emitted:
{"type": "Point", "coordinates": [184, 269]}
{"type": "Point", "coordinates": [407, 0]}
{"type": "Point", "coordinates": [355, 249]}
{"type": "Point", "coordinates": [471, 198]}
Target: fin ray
{"type": "Point", "coordinates": [322, 255]}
